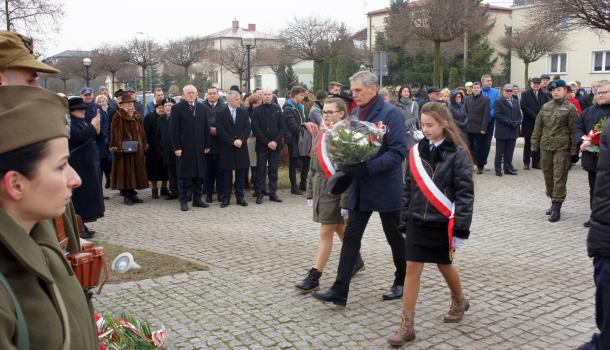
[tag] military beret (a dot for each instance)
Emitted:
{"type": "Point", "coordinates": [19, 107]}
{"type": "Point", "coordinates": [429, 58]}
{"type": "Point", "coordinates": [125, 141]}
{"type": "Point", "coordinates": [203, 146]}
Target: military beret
{"type": "Point", "coordinates": [30, 115]}
{"type": "Point", "coordinates": [16, 52]}
{"type": "Point", "coordinates": [557, 84]}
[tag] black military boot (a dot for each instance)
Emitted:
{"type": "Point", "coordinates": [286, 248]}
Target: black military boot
{"type": "Point", "coordinates": [555, 212]}
{"type": "Point", "coordinates": [548, 211]}
{"type": "Point", "coordinates": [311, 282]}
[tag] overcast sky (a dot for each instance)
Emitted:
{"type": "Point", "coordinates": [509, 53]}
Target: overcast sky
{"type": "Point", "coordinates": [87, 24]}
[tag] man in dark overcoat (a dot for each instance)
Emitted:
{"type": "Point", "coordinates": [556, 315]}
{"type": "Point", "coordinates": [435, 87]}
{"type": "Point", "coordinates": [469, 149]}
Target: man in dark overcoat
{"type": "Point", "coordinates": [211, 182]}
{"type": "Point", "coordinates": [477, 109]}
{"type": "Point", "coordinates": [507, 119]}
{"type": "Point", "coordinates": [233, 130]}
{"type": "Point", "coordinates": [267, 126]}
{"type": "Point", "coordinates": [190, 139]}
{"type": "Point", "coordinates": [531, 102]}
{"type": "Point", "coordinates": [294, 117]}
{"type": "Point", "coordinates": [377, 186]}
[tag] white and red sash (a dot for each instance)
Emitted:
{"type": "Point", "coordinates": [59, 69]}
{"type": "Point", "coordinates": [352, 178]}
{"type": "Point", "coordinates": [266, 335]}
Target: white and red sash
{"type": "Point", "coordinates": [323, 158]}
{"type": "Point", "coordinates": [432, 193]}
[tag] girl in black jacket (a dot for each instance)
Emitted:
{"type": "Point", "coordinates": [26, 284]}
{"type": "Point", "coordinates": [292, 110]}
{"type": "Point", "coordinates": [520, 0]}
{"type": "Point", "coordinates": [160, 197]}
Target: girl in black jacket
{"type": "Point", "coordinates": [445, 165]}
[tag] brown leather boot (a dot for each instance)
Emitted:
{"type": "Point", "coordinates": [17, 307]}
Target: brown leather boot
{"type": "Point", "coordinates": [459, 304]}
{"type": "Point", "coordinates": [406, 331]}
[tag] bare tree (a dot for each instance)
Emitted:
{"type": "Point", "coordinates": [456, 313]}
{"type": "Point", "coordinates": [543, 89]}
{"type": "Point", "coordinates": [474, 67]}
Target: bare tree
{"type": "Point", "coordinates": [234, 58]}
{"type": "Point", "coordinates": [32, 17]}
{"type": "Point", "coordinates": [271, 55]}
{"type": "Point", "coordinates": [572, 14]}
{"type": "Point", "coordinates": [143, 53]}
{"type": "Point", "coordinates": [69, 68]}
{"type": "Point", "coordinates": [531, 43]}
{"type": "Point", "coordinates": [438, 21]}
{"type": "Point", "coordinates": [109, 59]}
{"type": "Point", "coordinates": [184, 52]}
{"type": "Point", "coordinates": [311, 38]}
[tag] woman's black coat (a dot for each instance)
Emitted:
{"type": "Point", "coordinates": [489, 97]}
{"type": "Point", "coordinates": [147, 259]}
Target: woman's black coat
{"type": "Point", "coordinates": [88, 199]}
{"type": "Point", "coordinates": [154, 163]}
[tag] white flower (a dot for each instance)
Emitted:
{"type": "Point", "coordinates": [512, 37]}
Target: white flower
{"type": "Point", "coordinates": [363, 142]}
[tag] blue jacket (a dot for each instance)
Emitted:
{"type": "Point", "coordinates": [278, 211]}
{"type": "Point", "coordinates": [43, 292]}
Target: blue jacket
{"type": "Point", "coordinates": [150, 107]}
{"type": "Point", "coordinates": [493, 95]}
{"type": "Point", "coordinates": [381, 190]}
{"type": "Point", "coordinates": [102, 139]}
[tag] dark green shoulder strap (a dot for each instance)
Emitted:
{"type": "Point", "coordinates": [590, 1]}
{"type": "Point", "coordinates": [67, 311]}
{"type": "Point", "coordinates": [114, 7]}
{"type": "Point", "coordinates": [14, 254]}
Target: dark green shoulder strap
{"type": "Point", "coordinates": [23, 341]}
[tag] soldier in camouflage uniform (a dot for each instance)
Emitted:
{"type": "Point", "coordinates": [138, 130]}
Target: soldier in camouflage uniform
{"type": "Point", "coordinates": [552, 138]}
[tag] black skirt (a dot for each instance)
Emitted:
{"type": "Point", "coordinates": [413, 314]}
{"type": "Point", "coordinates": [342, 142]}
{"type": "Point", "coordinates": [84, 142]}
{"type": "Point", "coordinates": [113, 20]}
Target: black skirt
{"type": "Point", "coordinates": [427, 244]}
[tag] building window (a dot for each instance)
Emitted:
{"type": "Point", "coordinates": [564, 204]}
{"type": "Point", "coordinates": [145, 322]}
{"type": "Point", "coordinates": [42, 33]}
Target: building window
{"type": "Point", "coordinates": [386, 19]}
{"type": "Point", "coordinates": [601, 61]}
{"type": "Point", "coordinates": [558, 63]}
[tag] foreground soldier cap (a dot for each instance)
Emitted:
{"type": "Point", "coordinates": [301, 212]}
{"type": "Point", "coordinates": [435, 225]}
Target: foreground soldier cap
{"type": "Point", "coordinates": [30, 115]}
{"type": "Point", "coordinates": [16, 52]}
{"type": "Point", "coordinates": [557, 84]}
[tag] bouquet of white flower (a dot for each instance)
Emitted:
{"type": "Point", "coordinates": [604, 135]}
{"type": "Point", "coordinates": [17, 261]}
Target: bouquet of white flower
{"type": "Point", "coordinates": [351, 142]}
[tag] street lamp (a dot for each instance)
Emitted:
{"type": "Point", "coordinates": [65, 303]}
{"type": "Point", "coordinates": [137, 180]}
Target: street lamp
{"type": "Point", "coordinates": [87, 64]}
{"type": "Point", "coordinates": [249, 42]}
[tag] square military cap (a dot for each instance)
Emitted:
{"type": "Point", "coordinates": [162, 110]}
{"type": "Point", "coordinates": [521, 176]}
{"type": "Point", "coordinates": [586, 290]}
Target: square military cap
{"type": "Point", "coordinates": [29, 115]}
{"type": "Point", "coordinates": [16, 52]}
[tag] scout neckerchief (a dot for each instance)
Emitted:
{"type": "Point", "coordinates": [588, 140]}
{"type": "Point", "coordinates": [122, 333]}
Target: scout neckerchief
{"type": "Point", "coordinates": [432, 193]}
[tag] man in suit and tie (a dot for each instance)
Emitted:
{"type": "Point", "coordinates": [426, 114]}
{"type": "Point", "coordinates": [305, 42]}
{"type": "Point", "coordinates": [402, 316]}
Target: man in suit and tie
{"type": "Point", "coordinates": [508, 119]}
{"type": "Point", "coordinates": [212, 172]}
{"type": "Point", "coordinates": [190, 139]}
{"type": "Point", "coordinates": [531, 102]}
{"type": "Point", "coordinates": [233, 130]}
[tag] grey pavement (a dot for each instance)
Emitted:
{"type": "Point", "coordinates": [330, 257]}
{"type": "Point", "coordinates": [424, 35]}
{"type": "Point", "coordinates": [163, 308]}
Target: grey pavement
{"type": "Point", "coordinates": [529, 281]}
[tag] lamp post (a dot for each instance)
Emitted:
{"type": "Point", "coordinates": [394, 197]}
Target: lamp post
{"type": "Point", "coordinates": [87, 64]}
{"type": "Point", "coordinates": [249, 42]}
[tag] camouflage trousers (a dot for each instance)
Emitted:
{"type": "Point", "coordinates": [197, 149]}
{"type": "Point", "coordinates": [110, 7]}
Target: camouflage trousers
{"type": "Point", "coordinates": [555, 167]}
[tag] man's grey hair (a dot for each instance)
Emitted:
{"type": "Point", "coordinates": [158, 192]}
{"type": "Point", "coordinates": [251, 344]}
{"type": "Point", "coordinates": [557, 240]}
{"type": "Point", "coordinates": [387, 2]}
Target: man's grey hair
{"type": "Point", "coordinates": [232, 94]}
{"type": "Point", "coordinates": [188, 87]}
{"type": "Point", "coordinates": [603, 83]}
{"type": "Point", "coordinates": [367, 78]}
{"type": "Point", "coordinates": [485, 76]}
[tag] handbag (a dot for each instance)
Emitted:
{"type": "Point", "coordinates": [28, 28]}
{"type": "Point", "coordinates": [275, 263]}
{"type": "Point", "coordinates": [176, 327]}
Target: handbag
{"type": "Point", "coordinates": [128, 147]}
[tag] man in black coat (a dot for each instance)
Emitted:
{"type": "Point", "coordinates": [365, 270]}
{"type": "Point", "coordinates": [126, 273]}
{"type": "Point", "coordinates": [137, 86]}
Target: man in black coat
{"type": "Point", "coordinates": [477, 109]}
{"type": "Point", "coordinates": [598, 243]}
{"type": "Point", "coordinates": [212, 170]}
{"type": "Point", "coordinates": [190, 139]}
{"type": "Point", "coordinates": [531, 102]}
{"type": "Point", "coordinates": [507, 119]}
{"type": "Point", "coordinates": [587, 121]}
{"type": "Point", "coordinates": [294, 117]}
{"type": "Point", "coordinates": [267, 126]}
{"type": "Point", "coordinates": [233, 130]}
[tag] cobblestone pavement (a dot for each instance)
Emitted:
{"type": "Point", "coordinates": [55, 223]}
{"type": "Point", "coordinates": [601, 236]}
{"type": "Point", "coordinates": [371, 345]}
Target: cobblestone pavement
{"type": "Point", "coordinates": [529, 281]}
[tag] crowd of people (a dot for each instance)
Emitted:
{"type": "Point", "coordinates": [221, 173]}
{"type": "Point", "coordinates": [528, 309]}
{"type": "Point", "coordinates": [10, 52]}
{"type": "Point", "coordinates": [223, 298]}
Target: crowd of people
{"type": "Point", "coordinates": [420, 182]}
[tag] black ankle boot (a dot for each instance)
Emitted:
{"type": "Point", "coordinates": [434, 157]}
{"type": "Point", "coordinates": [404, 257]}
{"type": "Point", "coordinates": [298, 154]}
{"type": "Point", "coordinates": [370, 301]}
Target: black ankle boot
{"type": "Point", "coordinates": [164, 191]}
{"type": "Point", "coordinates": [135, 199]}
{"type": "Point", "coordinates": [155, 193]}
{"type": "Point", "coordinates": [127, 200]}
{"type": "Point", "coordinates": [555, 212]}
{"type": "Point", "coordinates": [311, 282]}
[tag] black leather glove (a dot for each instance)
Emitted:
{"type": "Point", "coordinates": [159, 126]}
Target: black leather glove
{"type": "Point", "coordinates": [357, 170]}
{"type": "Point", "coordinates": [515, 124]}
{"type": "Point", "coordinates": [461, 233]}
{"type": "Point", "coordinates": [574, 158]}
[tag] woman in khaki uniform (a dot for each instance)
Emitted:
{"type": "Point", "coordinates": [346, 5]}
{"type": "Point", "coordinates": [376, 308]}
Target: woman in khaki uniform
{"type": "Point", "coordinates": [42, 304]}
{"type": "Point", "coordinates": [328, 209]}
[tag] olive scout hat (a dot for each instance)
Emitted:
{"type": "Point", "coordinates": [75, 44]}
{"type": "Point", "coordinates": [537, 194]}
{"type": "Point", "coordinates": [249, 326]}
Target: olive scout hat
{"type": "Point", "coordinates": [16, 52]}
{"type": "Point", "coordinates": [30, 115]}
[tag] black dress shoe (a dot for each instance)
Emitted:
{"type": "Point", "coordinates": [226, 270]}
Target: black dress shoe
{"type": "Point", "coordinates": [184, 206]}
{"type": "Point", "coordinates": [106, 197]}
{"type": "Point", "coordinates": [587, 223]}
{"type": "Point", "coordinates": [265, 193]}
{"type": "Point", "coordinates": [171, 196]}
{"type": "Point", "coordinates": [242, 202]}
{"type": "Point", "coordinates": [329, 296]}
{"type": "Point", "coordinates": [209, 198]}
{"type": "Point", "coordinates": [510, 172]}
{"type": "Point", "coordinates": [275, 198]}
{"type": "Point", "coordinates": [296, 191]}
{"type": "Point", "coordinates": [259, 199]}
{"type": "Point", "coordinates": [526, 167]}
{"type": "Point", "coordinates": [200, 204]}
{"type": "Point", "coordinates": [127, 200]}
{"type": "Point", "coordinates": [536, 166]}
{"type": "Point", "coordinates": [164, 191]}
{"type": "Point", "coordinates": [394, 293]}
{"type": "Point", "coordinates": [498, 172]}
{"type": "Point", "coordinates": [224, 204]}
{"type": "Point", "coordinates": [135, 199]}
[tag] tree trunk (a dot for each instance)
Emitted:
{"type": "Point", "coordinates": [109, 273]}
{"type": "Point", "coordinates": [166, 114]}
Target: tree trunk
{"type": "Point", "coordinates": [112, 85]}
{"type": "Point", "coordinates": [526, 83]}
{"type": "Point", "coordinates": [437, 73]}
{"type": "Point", "coordinates": [186, 74]}
{"type": "Point", "coordinates": [8, 17]}
{"type": "Point", "coordinates": [465, 56]}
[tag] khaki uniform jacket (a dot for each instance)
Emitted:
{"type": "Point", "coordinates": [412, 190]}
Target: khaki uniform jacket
{"type": "Point", "coordinates": [326, 207]}
{"type": "Point", "coordinates": [56, 310]}
{"type": "Point", "coordinates": [554, 126]}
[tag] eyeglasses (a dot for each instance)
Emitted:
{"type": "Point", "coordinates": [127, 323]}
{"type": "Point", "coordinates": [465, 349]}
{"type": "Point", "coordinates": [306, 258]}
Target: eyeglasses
{"type": "Point", "coordinates": [330, 112]}
{"type": "Point", "coordinates": [602, 92]}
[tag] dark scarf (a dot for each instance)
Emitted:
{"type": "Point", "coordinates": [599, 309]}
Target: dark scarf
{"type": "Point", "coordinates": [363, 111]}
